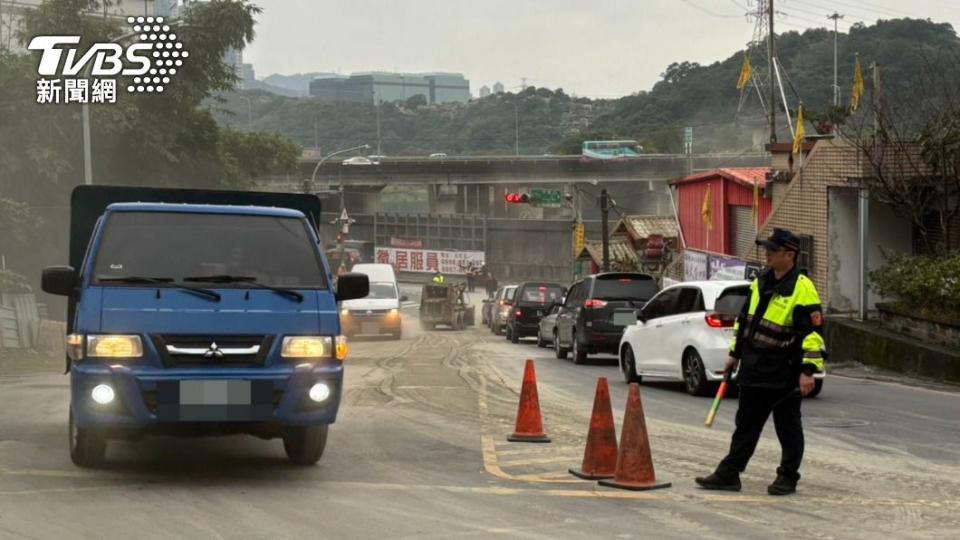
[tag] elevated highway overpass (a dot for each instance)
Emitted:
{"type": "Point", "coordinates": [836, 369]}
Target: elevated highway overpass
{"type": "Point", "coordinates": [476, 184]}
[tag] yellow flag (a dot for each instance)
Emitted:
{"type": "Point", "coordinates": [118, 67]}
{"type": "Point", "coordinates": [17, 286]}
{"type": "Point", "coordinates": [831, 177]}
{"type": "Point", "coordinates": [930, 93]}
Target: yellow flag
{"type": "Point", "coordinates": [706, 210]}
{"type": "Point", "coordinates": [857, 85]}
{"type": "Point", "coordinates": [800, 133]}
{"type": "Point", "coordinates": [746, 72]}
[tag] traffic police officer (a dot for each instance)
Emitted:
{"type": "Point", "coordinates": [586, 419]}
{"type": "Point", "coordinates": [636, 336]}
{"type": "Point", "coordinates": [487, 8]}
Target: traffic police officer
{"type": "Point", "coordinates": [438, 277]}
{"type": "Point", "coordinates": [779, 345]}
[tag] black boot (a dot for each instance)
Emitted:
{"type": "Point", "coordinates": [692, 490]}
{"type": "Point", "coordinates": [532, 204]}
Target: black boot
{"type": "Point", "coordinates": [783, 485]}
{"type": "Point", "coordinates": [717, 482]}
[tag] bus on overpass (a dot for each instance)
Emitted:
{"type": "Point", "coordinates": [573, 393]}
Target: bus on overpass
{"type": "Point", "coordinates": [611, 149]}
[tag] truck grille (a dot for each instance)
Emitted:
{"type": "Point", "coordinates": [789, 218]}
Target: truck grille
{"type": "Point", "coordinates": [212, 351]}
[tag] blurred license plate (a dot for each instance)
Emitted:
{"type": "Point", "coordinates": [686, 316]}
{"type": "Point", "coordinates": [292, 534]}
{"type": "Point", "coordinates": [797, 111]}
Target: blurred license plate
{"type": "Point", "coordinates": [370, 328]}
{"type": "Point", "coordinates": [214, 401]}
{"type": "Point", "coordinates": [624, 318]}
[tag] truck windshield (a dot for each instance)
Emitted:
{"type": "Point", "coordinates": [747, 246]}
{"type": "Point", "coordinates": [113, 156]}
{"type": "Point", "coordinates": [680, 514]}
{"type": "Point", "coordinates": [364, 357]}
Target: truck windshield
{"type": "Point", "coordinates": [275, 251]}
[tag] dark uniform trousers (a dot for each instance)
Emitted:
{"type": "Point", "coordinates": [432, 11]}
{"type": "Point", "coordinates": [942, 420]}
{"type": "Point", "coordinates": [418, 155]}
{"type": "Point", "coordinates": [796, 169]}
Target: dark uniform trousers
{"type": "Point", "coordinates": [756, 404]}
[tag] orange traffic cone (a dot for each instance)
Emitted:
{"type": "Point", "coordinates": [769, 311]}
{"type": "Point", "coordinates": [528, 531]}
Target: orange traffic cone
{"type": "Point", "coordinates": [600, 454]}
{"type": "Point", "coordinates": [634, 464]}
{"type": "Point", "coordinates": [529, 423]}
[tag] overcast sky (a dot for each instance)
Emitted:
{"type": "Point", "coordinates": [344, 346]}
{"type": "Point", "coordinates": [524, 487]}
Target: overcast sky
{"type": "Point", "coordinates": [596, 48]}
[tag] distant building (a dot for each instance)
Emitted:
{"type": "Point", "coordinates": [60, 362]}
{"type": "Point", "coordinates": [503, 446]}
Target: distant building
{"type": "Point", "coordinates": [12, 10]}
{"type": "Point", "coordinates": [498, 88]}
{"type": "Point", "coordinates": [233, 58]}
{"type": "Point", "coordinates": [371, 87]}
{"type": "Point", "coordinates": [484, 91]}
{"type": "Point", "coordinates": [176, 9]}
{"type": "Point", "coordinates": [248, 77]}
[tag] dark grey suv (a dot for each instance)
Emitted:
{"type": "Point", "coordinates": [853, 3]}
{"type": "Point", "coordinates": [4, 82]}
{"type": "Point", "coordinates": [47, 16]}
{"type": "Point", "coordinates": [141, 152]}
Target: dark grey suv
{"type": "Point", "coordinates": [596, 311]}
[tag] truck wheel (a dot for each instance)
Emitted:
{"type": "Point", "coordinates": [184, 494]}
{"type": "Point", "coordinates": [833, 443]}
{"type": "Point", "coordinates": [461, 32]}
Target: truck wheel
{"type": "Point", "coordinates": [304, 444]}
{"type": "Point", "coordinates": [579, 355]}
{"type": "Point", "coordinates": [514, 336]}
{"type": "Point", "coordinates": [817, 387]}
{"type": "Point", "coordinates": [87, 449]}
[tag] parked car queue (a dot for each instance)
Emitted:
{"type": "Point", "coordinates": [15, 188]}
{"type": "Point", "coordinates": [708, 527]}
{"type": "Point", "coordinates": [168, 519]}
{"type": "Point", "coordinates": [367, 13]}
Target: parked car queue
{"type": "Point", "coordinates": [680, 333]}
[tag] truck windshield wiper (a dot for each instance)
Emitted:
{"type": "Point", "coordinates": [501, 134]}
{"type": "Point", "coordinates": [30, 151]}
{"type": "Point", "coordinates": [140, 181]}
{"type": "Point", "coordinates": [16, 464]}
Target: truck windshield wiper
{"type": "Point", "coordinates": [213, 295]}
{"type": "Point", "coordinates": [223, 278]}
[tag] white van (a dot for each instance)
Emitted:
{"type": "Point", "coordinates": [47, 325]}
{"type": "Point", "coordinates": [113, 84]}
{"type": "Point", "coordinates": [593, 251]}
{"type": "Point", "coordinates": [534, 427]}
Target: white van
{"type": "Point", "coordinates": [379, 312]}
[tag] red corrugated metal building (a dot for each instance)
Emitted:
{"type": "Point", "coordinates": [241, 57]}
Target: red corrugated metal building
{"type": "Point", "coordinates": [731, 202]}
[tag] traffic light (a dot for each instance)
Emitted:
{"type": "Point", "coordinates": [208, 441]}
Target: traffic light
{"type": "Point", "coordinates": [579, 238]}
{"type": "Point", "coordinates": [517, 198]}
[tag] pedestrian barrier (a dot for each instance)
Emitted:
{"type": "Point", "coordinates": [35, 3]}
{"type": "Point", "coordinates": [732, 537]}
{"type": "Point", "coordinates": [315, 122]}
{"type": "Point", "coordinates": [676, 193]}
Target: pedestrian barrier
{"type": "Point", "coordinates": [529, 427]}
{"type": "Point", "coordinates": [600, 452]}
{"type": "Point", "coordinates": [634, 463]}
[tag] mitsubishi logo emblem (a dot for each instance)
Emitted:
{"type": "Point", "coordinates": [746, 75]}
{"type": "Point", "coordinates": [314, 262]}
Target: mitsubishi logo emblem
{"type": "Point", "coordinates": [213, 352]}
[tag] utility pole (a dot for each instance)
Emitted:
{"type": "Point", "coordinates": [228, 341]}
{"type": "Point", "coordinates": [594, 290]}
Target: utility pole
{"type": "Point", "coordinates": [864, 203]}
{"type": "Point", "coordinates": [836, 88]}
{"type": "Point", "coordinates": [773, 91]}
{"type": "Point", "coordinates": [379, 103]}
{"type": "Point", "coordinates": [316, 132]}
{"type": "Point", "coordinates": [604, 232]}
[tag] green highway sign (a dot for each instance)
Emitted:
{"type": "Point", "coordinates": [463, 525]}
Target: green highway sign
{"type": "Point", "coordinates": [546, 197]}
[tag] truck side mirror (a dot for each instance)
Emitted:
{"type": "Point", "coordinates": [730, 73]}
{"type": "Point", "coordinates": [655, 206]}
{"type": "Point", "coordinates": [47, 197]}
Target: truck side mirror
{"type": "Point", "coordinates": [60, 280]}
{"type": "Point", "coordinates": [352, 285]}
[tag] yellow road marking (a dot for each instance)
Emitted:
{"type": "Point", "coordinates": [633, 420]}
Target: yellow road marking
{"type": "Point", "coordinates": [535, 461]}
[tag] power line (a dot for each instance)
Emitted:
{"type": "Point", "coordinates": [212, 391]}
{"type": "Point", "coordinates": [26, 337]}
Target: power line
{"type": "Point", "coordinates": [708, 12]}
{"type": "Point", "coordinates": [810, 12]}
{"type": "Point", "coordinates": [871, 6]}
{"type": "Point", "coordinates": [853, 11]}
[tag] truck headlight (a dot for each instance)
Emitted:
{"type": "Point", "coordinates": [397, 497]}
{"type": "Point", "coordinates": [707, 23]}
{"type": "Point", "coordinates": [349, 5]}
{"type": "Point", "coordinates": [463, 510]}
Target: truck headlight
{"type": "Point", "coordinates": [314, 347]}
{"type": "Point", "coordinates": [307, 347]}
{"type": "Point", "coordinates": [114, 346]}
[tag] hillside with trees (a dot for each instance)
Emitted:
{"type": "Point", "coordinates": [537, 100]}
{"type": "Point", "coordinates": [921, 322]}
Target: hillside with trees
{"type": "Point", "coordinates": [688, 94]}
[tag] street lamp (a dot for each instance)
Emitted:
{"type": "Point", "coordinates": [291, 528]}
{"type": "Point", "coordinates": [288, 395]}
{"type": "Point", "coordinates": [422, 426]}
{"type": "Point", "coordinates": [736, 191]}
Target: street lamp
{"type": "Point", "coordinates": [516, 125]}
{"type": "Point", "coordinates": [85, 115]}
{"type": "Point", "coordinates": [313, 177]}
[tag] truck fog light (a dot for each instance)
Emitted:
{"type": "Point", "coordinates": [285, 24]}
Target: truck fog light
{"type": "Point", "coordinates": [319, 392]}
{"type": "Point", "coordinates": [103, 394]}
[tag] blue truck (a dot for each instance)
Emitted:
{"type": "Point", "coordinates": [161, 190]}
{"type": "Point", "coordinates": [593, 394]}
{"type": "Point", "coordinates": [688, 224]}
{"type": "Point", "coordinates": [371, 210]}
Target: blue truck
{"type": "Point", "coordinates": [198, 313]}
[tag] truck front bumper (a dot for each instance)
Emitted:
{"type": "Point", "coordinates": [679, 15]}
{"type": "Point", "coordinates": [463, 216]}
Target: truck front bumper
{"type": "Point", "coordinates": [147, 398]}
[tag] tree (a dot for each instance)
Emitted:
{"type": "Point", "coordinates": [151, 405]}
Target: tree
{"type": "Point", "coordinates": [416, 101]}
{"type": "Point", "coordinates": [912, 149]}
{"type": "Point", "coordinates": [167, 139]}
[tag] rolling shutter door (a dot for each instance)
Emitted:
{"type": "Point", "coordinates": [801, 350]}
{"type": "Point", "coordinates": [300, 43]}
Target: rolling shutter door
{"type": "Point", "coordinates": [743, 233]}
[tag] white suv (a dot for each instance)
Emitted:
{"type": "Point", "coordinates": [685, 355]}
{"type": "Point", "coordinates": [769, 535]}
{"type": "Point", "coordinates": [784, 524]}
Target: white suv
{"type": "Point", "coordinates": [684, 334]}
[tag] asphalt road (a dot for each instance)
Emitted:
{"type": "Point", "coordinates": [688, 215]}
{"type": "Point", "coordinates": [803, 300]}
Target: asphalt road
{"type": "Point", "coordinates": [420, 451]}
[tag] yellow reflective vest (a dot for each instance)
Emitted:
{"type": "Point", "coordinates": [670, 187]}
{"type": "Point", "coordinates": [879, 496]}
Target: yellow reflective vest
{"type": "Point", "coordinates": [787, 332]}
{"type": "Point", "coordinates": [438, 279]}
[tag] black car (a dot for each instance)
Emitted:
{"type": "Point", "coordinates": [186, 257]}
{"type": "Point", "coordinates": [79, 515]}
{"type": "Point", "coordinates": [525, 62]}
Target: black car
{"type": "Point", "coordinates": [596, 311]}
{"type": "Point", "coordinates": [532, 301]}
